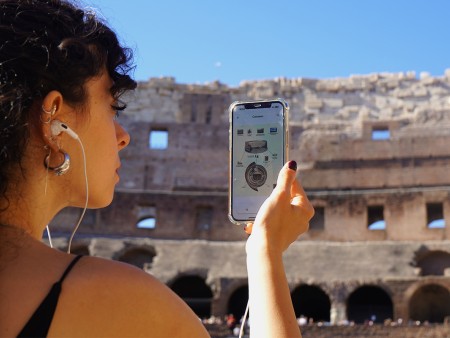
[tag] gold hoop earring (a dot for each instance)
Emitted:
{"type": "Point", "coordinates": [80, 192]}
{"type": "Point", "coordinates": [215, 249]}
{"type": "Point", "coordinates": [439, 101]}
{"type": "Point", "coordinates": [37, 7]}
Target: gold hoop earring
{"type": "Point", "coordinates": [60, 169]}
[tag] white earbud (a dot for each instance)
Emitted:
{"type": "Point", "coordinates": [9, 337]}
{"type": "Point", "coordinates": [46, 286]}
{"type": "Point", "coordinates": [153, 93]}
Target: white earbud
{"type": "Point", "coordinates": [57, 127]}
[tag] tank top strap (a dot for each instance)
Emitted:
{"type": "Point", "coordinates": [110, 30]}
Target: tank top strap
{"type": "Point", "coordinates": [71, 265]}
{"type": "Point", "coordinates": [39, 323]}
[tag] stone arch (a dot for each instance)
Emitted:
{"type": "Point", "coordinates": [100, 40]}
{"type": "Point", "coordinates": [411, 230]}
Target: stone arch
{"type": "Point", "coordinates": [238, 301]}
{"type": "Point", "coordinates": [430, 302]}
{"type": "Point", "coordinates": [312, 302]}
{"type": "Point", "coordinates": [434, 263]}
{"type": "Point", "coordinates": [141, 257]}
{"type": "Point", "coordinates": [369, 302]}
{"type": "Point", "coordinates": [195, 292]}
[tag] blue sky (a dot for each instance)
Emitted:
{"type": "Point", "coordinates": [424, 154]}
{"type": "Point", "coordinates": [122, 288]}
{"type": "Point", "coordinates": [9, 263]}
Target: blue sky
{"type": "Point", "coordinates": [200, 41]}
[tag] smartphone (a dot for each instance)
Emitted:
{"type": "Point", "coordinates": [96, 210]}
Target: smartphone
{"type": "Point", "coordinates": [258, 150]}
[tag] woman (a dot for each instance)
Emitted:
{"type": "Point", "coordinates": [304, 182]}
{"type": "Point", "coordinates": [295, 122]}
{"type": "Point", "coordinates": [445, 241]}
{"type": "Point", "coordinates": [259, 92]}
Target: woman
{"type": "Point", "coordinates": [62, 72]}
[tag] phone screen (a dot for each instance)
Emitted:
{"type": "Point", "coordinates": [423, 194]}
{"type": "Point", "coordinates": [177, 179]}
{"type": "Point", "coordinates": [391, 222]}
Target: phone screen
{"type": "Point", "coordinates": [258, 143]}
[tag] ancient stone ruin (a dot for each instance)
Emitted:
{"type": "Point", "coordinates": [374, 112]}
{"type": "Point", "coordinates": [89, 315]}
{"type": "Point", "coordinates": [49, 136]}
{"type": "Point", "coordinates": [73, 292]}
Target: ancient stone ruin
{"type": "Point", "coordinates": [374, 158]}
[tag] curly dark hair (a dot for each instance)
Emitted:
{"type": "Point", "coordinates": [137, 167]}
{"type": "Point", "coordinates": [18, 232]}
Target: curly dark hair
{"type": "Point", "coordinates": [50, 45]}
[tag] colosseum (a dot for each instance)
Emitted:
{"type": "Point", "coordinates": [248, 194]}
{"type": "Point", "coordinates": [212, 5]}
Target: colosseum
{"type": "Point", "coordinates": [374, 158]}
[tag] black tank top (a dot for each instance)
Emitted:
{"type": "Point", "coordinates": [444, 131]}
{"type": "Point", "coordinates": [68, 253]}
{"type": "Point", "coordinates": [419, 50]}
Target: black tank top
{"type": "Point", "coordinates": [40, 321]}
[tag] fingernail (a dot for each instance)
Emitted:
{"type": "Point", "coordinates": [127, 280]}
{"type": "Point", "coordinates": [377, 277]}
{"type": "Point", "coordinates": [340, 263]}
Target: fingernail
{"type": "Point", "coordinates": [292, 165]}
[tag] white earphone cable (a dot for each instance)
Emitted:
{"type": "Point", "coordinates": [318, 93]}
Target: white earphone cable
{"type": "Point", "coordinates": [241, 331]}
{"type": "Point", "coordinates": [57, 127]}
{"type": "Point", "coordinates": [49, 237]}
{"type": "Point", "coordinates": [87, 198]}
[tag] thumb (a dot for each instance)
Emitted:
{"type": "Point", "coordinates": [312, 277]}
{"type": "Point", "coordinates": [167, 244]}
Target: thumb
{"type": "Point", "coordinates": [287, 176]}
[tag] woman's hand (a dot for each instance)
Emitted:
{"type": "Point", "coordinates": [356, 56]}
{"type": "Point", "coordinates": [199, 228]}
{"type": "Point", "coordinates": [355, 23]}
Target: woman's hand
{"type": "Point", "coordinates": [281, 219]}
{"type": "Point", "coordinates": [283, 216]}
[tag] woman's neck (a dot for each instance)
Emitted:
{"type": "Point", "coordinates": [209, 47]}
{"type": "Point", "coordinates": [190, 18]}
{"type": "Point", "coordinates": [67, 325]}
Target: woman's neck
{"type": "Point", "coordinates": [28, 212]}
{"type": "Point", "coordinates": [34, 196]}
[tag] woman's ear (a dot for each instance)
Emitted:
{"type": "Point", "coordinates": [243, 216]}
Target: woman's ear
{"type": "Point", "coordinates": [51, 109]}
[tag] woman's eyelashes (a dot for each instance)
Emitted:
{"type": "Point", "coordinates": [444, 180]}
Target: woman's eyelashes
{"type": "Point", "coordinates": [118, 108]}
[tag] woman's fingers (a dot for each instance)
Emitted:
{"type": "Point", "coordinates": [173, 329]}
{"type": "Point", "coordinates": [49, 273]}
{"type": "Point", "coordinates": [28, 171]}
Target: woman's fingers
{"type": "Point", "coordinates": [302, 209]}
{"type": "Point", "coordinates": [297, 190]}
{"type": "Point", "coordinates": [300, 202]}
{"type": "Point", "coordinates": [288, 185]}
{"type": "Point", "coordinates": [248, 228]}
{"type": "Point", "coordinates": [286, 177]}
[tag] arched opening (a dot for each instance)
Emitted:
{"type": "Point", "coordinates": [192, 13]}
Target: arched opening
{"type": "Point", "coordinates": [435, 216]}
{"type": "Point", "coordinates": [147, 223]}
{"type": "Point", "coordinates": [146, 215]}
{"type": "Point", "coordinates": [378, 225]}
{"type": "Point", "coordinates": [312, 302]}
{"type": "Point", "coordinates": [434, 263]}
{"type": "Point", "coordinates": [375, 217]}
{"type": "Point", "coordinates": [369, 303]}
{"type": "Point", "coordinates": [138, 257]}
{"type": "Point", "coordinates": [238, 302]}
{"type": "Point", "coordinates": [430, 303]}
{"type": "Point", "coordinates": [194, 291]}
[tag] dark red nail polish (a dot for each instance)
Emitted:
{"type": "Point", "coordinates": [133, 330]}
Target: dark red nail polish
{"type": "Point", "coordinates": [292, 165]}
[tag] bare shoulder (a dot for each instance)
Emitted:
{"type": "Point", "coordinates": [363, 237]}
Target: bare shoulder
{"type": "Point", "coordinates": [108, 298]}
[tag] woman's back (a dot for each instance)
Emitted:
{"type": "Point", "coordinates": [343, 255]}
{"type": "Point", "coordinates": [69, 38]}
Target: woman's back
{"type": "Point", "coordinates": [98, 297]}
